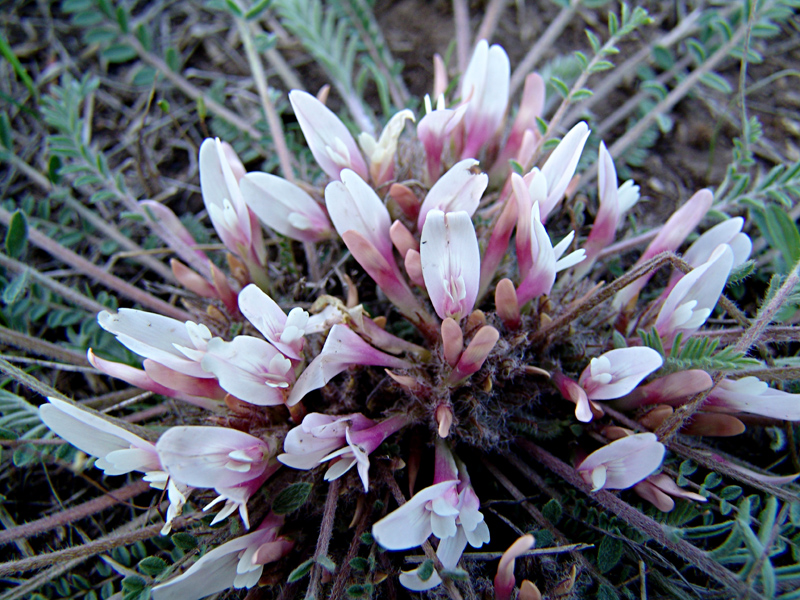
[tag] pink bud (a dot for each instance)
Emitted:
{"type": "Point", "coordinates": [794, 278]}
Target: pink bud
{"type": "Point", "coordinates": [452, 341]}
{"type": "Point", "coordinates": [504, 580]}
{"type": "Point", "coordinates": [475, 355]}
{"type": "Point", "coordinates": [402, 238]}
{"type": "Point", "coordinates": [506, 304]}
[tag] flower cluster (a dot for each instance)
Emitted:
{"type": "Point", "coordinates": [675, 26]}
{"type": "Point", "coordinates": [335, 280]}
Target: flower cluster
{"type": "Point", "coordinates": [434, 234]}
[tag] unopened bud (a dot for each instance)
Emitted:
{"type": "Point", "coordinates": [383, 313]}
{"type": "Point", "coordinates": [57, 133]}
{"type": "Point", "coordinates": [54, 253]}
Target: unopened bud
{"type": "Point", "coordinates": [444, 417]}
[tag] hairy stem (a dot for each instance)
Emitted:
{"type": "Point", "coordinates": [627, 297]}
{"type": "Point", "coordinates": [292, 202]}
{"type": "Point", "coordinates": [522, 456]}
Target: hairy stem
{"type": "Point", "coordinates": [325, 532]}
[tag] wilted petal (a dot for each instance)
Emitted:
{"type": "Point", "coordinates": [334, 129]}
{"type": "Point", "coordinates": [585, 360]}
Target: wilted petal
{"type": "Point", "coordinates": [380, 153]}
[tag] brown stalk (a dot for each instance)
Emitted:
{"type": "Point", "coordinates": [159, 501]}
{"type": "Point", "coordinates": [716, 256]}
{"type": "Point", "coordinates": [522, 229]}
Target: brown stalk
{"type": "Point", "coordinates": [325, 532]}
{"type": "Point", "coordinates": [41, 347]}
{"type": "Point", "coordinates": [99, 275]}
{"type": "Point", "coordinates": [75, 513]}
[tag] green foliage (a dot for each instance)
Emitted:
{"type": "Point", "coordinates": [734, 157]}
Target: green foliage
{"type": "Point", "coordinates": [696, 353]}
{"type": "Point", "coordinates": [17, 234]}
{"type": "Point", "coordinates": [292, 498]}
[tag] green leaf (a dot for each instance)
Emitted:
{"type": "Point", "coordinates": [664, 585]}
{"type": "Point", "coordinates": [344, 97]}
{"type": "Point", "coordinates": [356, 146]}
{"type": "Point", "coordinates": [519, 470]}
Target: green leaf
{"type": "Point", "coordinates": [609, 553]}
{"type": "Point", "coordinates": [606, 592]}
{"type": "Point", "coordinates": [7, 434]}
{"type": "Point", "coordinates": [581, 94]}
{"type": "Point", "coordinates": [601, 65]}
{"type": "Point", "coordinates": [184, 541]}
{"type": "Point", "coordinates": [552, 511]}
{"type": "Point", "coordinates": [22, 74]}
{"type": "Point", "coordinates": [455, 574]}
{"type": "Point", "coordinates": [16, 287]}
{"type": "Point", "coordinates": [784, 234]}
{"type": "Point", "coordinates": [712, 480]}
{"type": "Point", "coordinates": [357, 564]}
{"type": "Point", "coordinates": [425, 570]}
{"type": "Point", "coordinates": [118, 53]}
{"type": "Point", "coordinates": [122, 19]}
{"type": "Point", "coordinates": [326, 563]}
{"type": "Point", "coordinates": [560, 86]}
{"type": "Point", "coordinates": [144, 77]}
{"type": "Point", "coordinates": [173, 59]}
{"type": "Point", "coordinates": [152, 566]}
{"type": "Point", "coordinates": [233, 8]}
{"type": "Point", "coordinates": [5, 131]}
{"type": "Point", "coordinates": [366, 538]}
{"type": "Point", "coordinates": [663, 57]}
{"type": "Point", "coordinates": [593, 41]}
{"type": "Point", "coordinates": [24, 455]}
{"type": "Point", "coordinates": [716, 82]}
{"type": "Point", "coordinates": [17, 234]}
{"type": "Point", "coordinates": [300, 571]}
{"type": "Point", "coordinates": [292, 498]}
{"type": "Point", "coordinates": [255, 11]}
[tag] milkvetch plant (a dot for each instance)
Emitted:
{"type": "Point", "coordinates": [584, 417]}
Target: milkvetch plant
{"type": "Point", "coordinates": [477, 317]}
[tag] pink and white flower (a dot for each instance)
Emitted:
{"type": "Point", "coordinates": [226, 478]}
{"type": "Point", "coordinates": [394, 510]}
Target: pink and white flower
{"type": "Point", "coordinates": [238, 564]}
{"type": "Point", "coordinates": [435, 129]}
{"type": "Point", "coordinates": [751, 395]}
{"type": "Point", "coordinates": [343, 348]}
{"type": "Point", "coordinates": [448, 509]}
{"type": "Point", "coordinates": [230, 461]}
{"type": "Point", "coordinates": [693, 298]}
{"type": "Point", "coordinates": [613, 203]}
{"type": "Point", "coordinates": [459, 189]}
{"type": "Point", "coordinates": [286, 333]}
{"type": "Point", "coordinates": [451, 261]}
{"type": "Point", "coordinates": [327, 137]}
{"type": "Point", "coordinates": [559, 168]}
{"type": "Point", "coordinates": [545, 261]}
{"type": "Point", "coordinates": [236, 226]}
{"type": "Point", "coordinates": [622, 463]}
{"type": "Point", "coordinates": [179, 346]}
{"type": "Point", "coordinates": [118, 450]}
{"type": "Point", "coordinates": [285, 207]}
{"type": "Point", "coordinates": [617, 372]}
{"type": "Point", "coordinates": [485, 88]}
{"type": "Point", "coordinates": [504, 580]}
{"type": "Point", "coordinates": [659, 490]}
{"type": "Point", "coordinates": [250, 369]}
{"type": "Point", "coordinates": [348, 438]}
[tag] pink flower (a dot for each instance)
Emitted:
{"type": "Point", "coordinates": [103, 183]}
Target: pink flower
{"type": "Point", "coordinates": [458, 189]}
{"type": "Point", "coordinates": [622, 463]}
{"type": "Point", "coordinates": [225, 459]}
{"type": "Point", "coordinates": [118, 450]}
{"type": "Point", "coordinates": [434, 129]}
{"type": "Point", "coordinates": [380, 153]}
{"type": "Point", "coordinates": [448, 509]}
{"type": "Point", "coordinates": [238, 229]}
{"type": "Point", "coordinates": [238, 564]}
{"type": "Point", "coordinates": [673, 389]}
{"type": "Point", "coordinates": [285, 207]}
{"type": "Point", "coordinates": [560, 167]}
{"type": "Point", "coordinates": [751, 395]}
{"type": "Point", "coordinates": [504, 580]}
{"type": "Point", "coordinates": [693, 298]}
{"type": "Point", "coordinates": [250, 369]}
{"type": "Point", "coordinates": [328, 139]}
{"type": "Point", "coordinates": [484, 87]}
{"type": "Point", "coordinates": [675, 230]}
{"type": "Point", "coordinates": [363, 222]}
{"type": "Point", "coordinates": [349, 438]}
{"type": "Point", "coordinates": [197, 391]}
{"type": "Point", "coordinates": [284, 332]}
{"type": "Point", "coordinates": [659, 489]}
{"type": "Point", "coordinates": [343, 348]}
{"type": "Point", "coordinates": [618, 372]}
{"type": "Point", "coordinates": [613, 203]}
{"type": "Point", "coordinates": [451, 261]}
{"type": "Point", "coordinates": [179, 346]}
{"type": "Point", "coordinates": [545, 261]}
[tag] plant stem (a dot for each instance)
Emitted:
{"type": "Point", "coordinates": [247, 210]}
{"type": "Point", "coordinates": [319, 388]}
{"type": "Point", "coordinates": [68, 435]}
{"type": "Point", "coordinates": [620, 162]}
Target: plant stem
{"type": "Point", "coordinates": [325, 532]}
{"type": "Point", "coordinates": [660, 533]}
{"type": "Point", "coordinates": [191, 90]}
{"type": "Point", "coordinates": [544, 44]}
{"type": "Point", "coordinates": [271, 115]}
{"type": "Point", "coordinates": [461, 18]}
{"type": "Point", "coordinates": [491, 16]}
{"type": "Point", "coordinates": [29, 381]}
{"type": "Point", "coordinates": [99, 275]}
{"type": "Point", "coordinates": [73, 514]}
{"type": "Point", "coordinates": [40, 347]}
